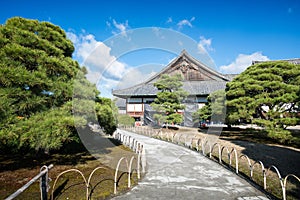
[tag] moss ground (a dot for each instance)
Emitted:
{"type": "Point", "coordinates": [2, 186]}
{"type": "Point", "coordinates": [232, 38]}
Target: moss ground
{"type": "Point", "coordinates": [17, 169]}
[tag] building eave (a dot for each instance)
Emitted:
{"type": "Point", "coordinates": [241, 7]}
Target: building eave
{"type": "Point", "coordinates": [194, 88]}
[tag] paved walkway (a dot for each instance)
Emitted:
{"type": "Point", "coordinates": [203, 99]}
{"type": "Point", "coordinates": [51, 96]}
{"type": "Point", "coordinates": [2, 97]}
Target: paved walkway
{"type": "Point", "coordinates": [175, 172]}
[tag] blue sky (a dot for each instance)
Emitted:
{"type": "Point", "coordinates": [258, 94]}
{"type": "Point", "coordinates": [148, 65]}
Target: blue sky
{"type": "Point", "coordinates": [233, 33]}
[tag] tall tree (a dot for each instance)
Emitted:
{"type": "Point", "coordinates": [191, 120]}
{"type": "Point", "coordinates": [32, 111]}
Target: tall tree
{"type": "Point", "coordinates": [169, 99]}
{"type": "Point", "coordinates": [36, 85]}
{"type": "Point", "coordinates": [266, 94]}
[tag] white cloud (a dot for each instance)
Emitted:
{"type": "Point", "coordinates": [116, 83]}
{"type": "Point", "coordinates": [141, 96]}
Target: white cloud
{"type": "Point", "coordinates": [131, 77]}
{"type": "Point", "coordinates": [96, 56]}
{"type": "Point", "coordinates": [242, 62]}
{"type": "Point", "coordinates": [121, 27]}
{"type": "Point", "coordinates": [116, 69]}
{"type": "Point", "coordinates": [84, 44]}
{"type": "Point", "coordinates": [204, 45]}
{"type": "Point", "coordinates": [158, 33]}
{"type": "Point", "coordinates": [134, 76]}
{"type": "Point", "coordinates": [107, 83]}
{"type": "Point", "coordinates": [101, 60]}
{"type": "Point", "coordinates": [185, 22]}
{"type": "Point", "coordinates": [72, 36]}
{"type": "Point", "coordinates": [93, 77]}
{"type": "Point", "coordinates": [104, 68]}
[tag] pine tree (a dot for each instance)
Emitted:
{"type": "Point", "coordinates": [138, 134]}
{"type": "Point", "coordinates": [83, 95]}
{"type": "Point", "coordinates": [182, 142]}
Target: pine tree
{"type": "Point", "coordinates": [36, 85]}
{"type": "Point", "coordinates": [214, 110]}
{"type": "Point", "coordinates": [266, 94]}
{"type": "Point", "coordinates": [169, 99]}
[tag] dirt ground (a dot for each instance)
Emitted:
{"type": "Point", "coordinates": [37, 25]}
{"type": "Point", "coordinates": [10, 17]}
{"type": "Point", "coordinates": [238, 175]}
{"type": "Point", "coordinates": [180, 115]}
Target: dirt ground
{"type": "Point", "coordinates": [17, 170]}
{"type": "Point", "coordinates": [286, 159]}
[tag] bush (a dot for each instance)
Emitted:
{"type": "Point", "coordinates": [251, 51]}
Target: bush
{"type": "Point", "coordinates": [282, 136]}
{"type": "Point", "coordinates": [125, 120]}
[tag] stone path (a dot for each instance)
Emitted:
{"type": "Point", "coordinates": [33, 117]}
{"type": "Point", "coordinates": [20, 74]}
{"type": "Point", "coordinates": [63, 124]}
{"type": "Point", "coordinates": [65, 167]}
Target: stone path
{"type": "Point", "coordinates": [175, 172]}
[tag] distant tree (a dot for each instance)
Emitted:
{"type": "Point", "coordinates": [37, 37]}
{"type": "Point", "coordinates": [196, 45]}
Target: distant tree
{"type": "Point", "coordinates": [36, 85]}
{"type": "Point", "coordinates": [169, 99]}
{"type": "Point", "coordinates": [126, 120]}
{"type": "Point", "coordinates": [266, 94]}
{"type": "Point", "coordinates": [106, 115]}
{"type": "Point", "coordinates": [202, 114]}
{"type": "Point", "coordinates": [214, 109]}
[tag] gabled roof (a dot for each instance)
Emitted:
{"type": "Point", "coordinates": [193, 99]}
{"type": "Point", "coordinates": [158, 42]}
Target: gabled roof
{"type": "Point", "coordinates": [213, 80]}
{"type": "Point", "coordinates": [185, 56]}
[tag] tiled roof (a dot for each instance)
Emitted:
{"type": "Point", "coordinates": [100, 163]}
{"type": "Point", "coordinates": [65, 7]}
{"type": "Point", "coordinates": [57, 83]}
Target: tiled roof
{"type": "Point", "coordinates": [203, 87]}
{"type": "Point", "coordinates": [192, 87]}
{"type": "Point", "coordinates": [120, 102]}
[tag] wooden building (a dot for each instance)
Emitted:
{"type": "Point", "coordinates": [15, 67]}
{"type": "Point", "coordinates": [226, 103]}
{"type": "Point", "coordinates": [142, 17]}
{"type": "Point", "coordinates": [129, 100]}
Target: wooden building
{"type": "Point", "coordinates": [199, 82]}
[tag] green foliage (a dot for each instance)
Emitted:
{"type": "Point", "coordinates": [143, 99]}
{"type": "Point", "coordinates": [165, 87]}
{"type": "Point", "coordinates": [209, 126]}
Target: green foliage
{"type": "Point", "coordinates": [169, 100]}
{"type": "Point", "coordinates": [125, 120]}
{"type": "Point", "coordinates": [84, 96]}
{"type": "Point", "coordinates": [106, 114]}
{"type": "Point", "coordinates": [283, 136]}
{"type": "Point", "coordinates": [266, 94]}
{"type": "Point", "coordinates": [203, 113]}
{"type": "Point", "coordinates": [36, 85]}
{"type": "Point", "coordinates": [214, 109]}
{"type": "Point", "coordinates": [42, 130]}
